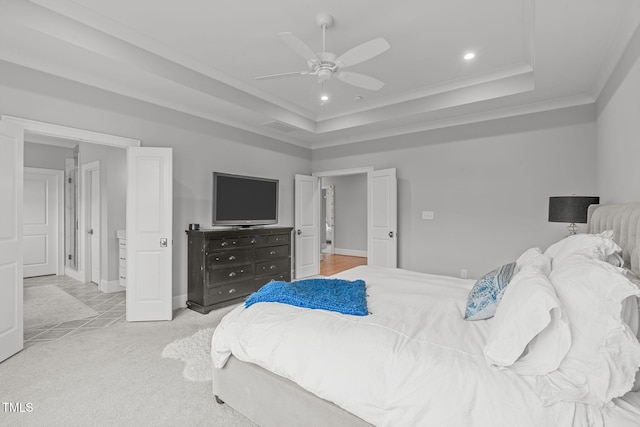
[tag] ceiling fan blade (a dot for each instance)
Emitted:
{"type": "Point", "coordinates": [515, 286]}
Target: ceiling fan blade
{"type": "Point", "coordinates": [276, 76]}
{"type": "Point", "coordinates": [360, 80]}
{"type": "Point", "coordinates": [362, 52]}
{"type": "Point", "coordinates": [297, 46]}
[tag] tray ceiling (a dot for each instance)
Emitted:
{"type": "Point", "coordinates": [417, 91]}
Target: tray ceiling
{"type": "Point", "coordinates": [202, 57]}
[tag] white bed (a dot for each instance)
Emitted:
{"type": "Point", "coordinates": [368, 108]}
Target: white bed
{"type": "Point", "coordinates": [415, 360]}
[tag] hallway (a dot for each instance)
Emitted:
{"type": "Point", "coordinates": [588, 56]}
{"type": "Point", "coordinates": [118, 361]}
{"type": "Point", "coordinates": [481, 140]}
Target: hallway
{"type": "Point", "coordinates": [332, 264]}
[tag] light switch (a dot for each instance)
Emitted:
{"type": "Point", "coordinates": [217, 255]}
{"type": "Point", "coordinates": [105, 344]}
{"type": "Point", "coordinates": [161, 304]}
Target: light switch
{"type": "Point", "coordinates": [427, 214]}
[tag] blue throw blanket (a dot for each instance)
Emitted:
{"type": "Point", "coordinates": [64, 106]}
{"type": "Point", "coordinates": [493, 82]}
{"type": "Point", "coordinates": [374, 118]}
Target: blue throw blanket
{"type": "Point", "coordinates": [343, 296]}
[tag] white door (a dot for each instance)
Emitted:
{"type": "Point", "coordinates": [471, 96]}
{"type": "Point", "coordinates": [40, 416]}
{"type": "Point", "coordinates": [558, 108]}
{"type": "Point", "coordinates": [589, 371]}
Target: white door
{"type": "Point", "coordinates": [41, 221]}
{"type": "Point", "coordinates": [149, 233]}
{"type": "Point", "coordinates": [11, 166]}
{"type": "Point", "coordinates": [383, 219]}
{"type": "Point", "coordinates": [94, 224]}
{"type": "Point", "coordinates": [307, 226]}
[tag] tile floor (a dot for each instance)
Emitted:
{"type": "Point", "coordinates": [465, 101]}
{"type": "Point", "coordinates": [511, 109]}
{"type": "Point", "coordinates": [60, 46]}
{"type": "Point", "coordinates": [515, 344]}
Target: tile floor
{"type": "Point", "coordinates": [110, 308]}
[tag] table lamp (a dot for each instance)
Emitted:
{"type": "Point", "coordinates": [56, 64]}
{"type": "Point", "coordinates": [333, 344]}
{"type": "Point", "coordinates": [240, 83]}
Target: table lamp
{"type": "Point", "coordinates": [571, 209]}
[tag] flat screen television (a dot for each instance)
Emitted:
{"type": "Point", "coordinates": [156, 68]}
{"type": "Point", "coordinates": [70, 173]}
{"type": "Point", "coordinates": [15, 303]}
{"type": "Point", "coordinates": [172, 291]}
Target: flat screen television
{"type": "Point", "coordinates": [244, 200]}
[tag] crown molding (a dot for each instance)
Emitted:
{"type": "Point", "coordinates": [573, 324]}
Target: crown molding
{"type": "Point", "coordinates": [628, 27]}
{"type": "Point", "coordinates": [80, 135]}
{"type": "Point", "coordinates": [501, 113]}
{"type": "Point", "coordinates": [110, 27]}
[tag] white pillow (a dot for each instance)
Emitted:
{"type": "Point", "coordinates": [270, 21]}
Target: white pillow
{"type": "Point", "coordinates": [631, 316]}
{"type": "Point", "coordinates": [530, 334]}
{"type": "Point", "coordinates": [615, 260]}
{"type": "Point", "coordinates": [535, 259]}
{"type": "Point", "coordinates": [605, 354]}
{"type": "Point", "coordinates": [598, 246]}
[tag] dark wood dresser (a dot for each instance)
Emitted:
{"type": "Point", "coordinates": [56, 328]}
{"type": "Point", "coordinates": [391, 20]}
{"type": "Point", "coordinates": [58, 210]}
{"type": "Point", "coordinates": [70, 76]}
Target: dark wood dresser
{"type": "Point", "coordinates": [225, 266]}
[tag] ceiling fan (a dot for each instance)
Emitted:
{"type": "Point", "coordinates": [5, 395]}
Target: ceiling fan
{"type": "Point", "coordinates": [325, 64]}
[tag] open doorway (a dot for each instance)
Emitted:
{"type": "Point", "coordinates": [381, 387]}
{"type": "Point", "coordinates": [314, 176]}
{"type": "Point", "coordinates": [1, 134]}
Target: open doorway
{"type": "Point", "coordinates": [147, 175]}
{"type": "Point", "coordinates": [343, 222]}
{"type": "Point", "coordinates": [327, 219]}
{"type": "Point", "coordinates": [78, 294]}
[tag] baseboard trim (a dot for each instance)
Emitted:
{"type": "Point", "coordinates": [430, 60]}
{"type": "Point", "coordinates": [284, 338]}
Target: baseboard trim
{"type": "Point", "coordinates": [74, 274]}
{"type": "Point", "coordinates": [350, 252]}
{"type": "Point", "coordinates": [179, 301]}
{"type": "Point", "coordinates": [111, 286]}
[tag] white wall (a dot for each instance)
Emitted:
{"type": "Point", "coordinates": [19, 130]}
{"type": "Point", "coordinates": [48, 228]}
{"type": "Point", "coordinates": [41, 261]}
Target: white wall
{"type": "Point", "coordinates": [113, 188]}
{"type": "Point", "coordinates": [46, 156]}
{"type": "Point", "coordinates": [488, 185]}
{"type": "Point", "coordinates": [199, 146]}
{"type": "Point", "coordinates": [618, 122]}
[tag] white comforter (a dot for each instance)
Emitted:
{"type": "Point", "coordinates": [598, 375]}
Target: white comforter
{"type": "Point", "coordinates": [413, 361]}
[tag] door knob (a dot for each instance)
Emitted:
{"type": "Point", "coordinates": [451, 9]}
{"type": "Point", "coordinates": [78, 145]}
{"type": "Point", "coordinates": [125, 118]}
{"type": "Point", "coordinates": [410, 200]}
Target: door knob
{"type": "Point", "coordinates": [391, 234]}
{"type": "Point", "coordinates": [163, 242]}
{"type": "Point", "coordinates": [299, 232]}
{"type": "Point", "coordinates": [90, 231]}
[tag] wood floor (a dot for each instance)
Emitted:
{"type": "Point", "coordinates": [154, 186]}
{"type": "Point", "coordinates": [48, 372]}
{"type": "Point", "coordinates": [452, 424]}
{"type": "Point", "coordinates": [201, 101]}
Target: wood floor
{"type": "Point", "coordinates": [332, 264]}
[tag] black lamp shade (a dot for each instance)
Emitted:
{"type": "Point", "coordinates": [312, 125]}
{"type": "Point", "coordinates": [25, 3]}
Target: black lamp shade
{"type": "Point", "coordinates": [572, 209]}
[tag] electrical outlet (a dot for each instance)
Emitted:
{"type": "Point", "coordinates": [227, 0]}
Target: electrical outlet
{"type": "Point", "coordinates": [463, 273]}
{"type": "Point", "coordinates": [427, 214]}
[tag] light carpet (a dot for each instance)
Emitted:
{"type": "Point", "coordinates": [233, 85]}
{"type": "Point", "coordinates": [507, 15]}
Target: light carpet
{"type": "Point", "coordinates": [195, 352]}
{"type": "Point", "coordinates": [114, 377]}
{"type": "Point", "coordinates": [48, 305]}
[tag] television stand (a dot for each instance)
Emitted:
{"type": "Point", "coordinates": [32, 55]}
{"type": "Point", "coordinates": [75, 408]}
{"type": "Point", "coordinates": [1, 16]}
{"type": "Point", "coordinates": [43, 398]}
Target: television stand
{"type": "Point", "coordinates": [225, 266]}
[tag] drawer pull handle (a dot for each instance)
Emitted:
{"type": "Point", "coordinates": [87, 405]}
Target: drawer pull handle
{"type": "Point", "coordinates": [232, 274]}
{"type": "Point", "coordinates": [122, 258]}
{"type": "Point", "coordinates": [273, 267]}
{"type": "Point", "coordinates": [253, 241]}
{"type": "Point", "coordinates": [231, 291]}
{"type": "Point", "coordinates": [122, 277]}
{"type": "Point", "coordinates": [273, 253]}
{"type": "Point", "coordinates": [217, 258]}
{"type": "Point", "coordinates": [231, 258]}
{"type": "Point", "coordinates": [224, 244]}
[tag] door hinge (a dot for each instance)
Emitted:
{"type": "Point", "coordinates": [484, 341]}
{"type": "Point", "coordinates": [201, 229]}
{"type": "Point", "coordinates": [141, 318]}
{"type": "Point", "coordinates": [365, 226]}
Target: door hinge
{"type": "Point", "coordinates": [69, 257]}
{"type": "Point", "coordinates": [69, 180]}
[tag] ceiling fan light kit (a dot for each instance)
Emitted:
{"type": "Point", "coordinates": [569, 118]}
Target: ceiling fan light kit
{"type": "Point", "coordinates": [325, 65]}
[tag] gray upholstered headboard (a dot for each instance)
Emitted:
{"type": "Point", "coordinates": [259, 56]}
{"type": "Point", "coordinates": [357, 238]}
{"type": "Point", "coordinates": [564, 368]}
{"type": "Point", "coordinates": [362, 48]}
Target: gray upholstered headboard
{"type": "Point", "coordinates": [624, 220]}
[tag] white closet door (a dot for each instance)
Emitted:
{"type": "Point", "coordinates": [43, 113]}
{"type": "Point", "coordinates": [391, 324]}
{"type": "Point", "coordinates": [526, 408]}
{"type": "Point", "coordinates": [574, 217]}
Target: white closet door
{"type": "Point", "coordinates": [11, 168]}
{"type": "Point", "coordinates": [41, 221]}
{"type": "Point", "coordinates": [383, 219]}
{"type": "Point", "coordinates": [94, 225]}
{"type": "Point", "coordinates": [307, 226]}
{"type": "Point", "coordinates": [149, 233]}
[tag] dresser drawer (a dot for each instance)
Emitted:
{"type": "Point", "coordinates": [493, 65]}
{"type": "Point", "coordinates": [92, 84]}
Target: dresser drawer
{"type": "Point", "coordinates": [272, 252]}
{"type": "Point", "coordinates": [282, 277]}
{"type": "Point", "coordinates": [230, 291]}
{"type": "Point", "coordinates": [276, 266]}
{"type": "Point", "coordinates": [227, 275]}
{"type": "Point", "coordinates": [252, 241]}
{"type": "Point", "coordinates": [278, 238]}
{"type": "Point", "coordinates": [225, 259]}
{"type": "Point", "coordinates": [224, 243]}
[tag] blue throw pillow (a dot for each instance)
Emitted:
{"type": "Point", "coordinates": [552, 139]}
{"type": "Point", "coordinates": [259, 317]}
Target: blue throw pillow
{"type": "Point", "coordinates": [487, 292]}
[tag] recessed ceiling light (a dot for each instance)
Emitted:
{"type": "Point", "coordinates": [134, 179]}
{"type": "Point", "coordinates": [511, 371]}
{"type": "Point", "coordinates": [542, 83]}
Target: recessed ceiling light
{"type": "Point", "coordinates": [469, 56]}
{"type": "Point", "coordinates": [324, 98]}
{"type": "Point", "coordinates": [358, 98]}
